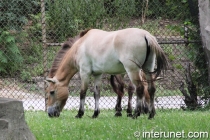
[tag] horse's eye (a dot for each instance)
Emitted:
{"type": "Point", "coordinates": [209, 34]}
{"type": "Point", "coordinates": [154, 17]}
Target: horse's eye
{"type": "Point", "coordinates": [52, 92]}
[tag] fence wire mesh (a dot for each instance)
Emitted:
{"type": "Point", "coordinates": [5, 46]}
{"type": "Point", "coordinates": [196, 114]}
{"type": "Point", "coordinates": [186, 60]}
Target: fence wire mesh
{"type": "Point", "coordinates": [32, 32]}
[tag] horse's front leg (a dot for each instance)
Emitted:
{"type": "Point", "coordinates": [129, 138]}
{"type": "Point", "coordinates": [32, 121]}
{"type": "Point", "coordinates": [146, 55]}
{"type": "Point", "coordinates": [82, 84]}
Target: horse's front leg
{"type": "Point", "coordinates": [84, 87]}
{"type": "Point", "coordinates": [82, 103]}
{"type": "Point", "coordinates": [97, 95]}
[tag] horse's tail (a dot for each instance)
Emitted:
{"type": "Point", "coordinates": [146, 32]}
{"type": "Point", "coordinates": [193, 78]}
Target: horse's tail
{"type": "Point", "coordinates": [162, 63]}
{"type": "Point", "coordinates": [117, 85]}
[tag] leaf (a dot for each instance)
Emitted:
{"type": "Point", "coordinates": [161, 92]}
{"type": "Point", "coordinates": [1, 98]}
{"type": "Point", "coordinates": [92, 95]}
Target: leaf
{"type": "Point", "coordinates": [171, 57]}
{"type": "Point", "coordinates": [2, 69]}
{"type": "Point", "coordinates": [184, 1]}
{"type": "Point", "coordinates": [3, 58]}
{"type": "Point", "coordinates": [13, 48]}
{"type": "Point", "coordinates": [10, 39]}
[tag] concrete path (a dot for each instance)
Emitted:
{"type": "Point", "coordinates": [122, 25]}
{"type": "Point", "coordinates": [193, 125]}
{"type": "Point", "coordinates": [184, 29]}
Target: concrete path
{"type": "Point", "coordinates": [105, 103]}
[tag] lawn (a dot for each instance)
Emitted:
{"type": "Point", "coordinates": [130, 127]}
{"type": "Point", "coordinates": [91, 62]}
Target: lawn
{"type": "Point", "coordinates": [174, 124]}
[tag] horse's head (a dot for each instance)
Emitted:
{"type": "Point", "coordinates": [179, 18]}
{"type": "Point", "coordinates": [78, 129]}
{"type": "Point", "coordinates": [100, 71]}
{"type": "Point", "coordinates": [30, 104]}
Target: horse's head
{"type": "Point", "coordinates": [57, 96]}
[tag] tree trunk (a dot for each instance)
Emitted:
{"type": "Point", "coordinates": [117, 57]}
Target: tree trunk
{"type": "Point", "coordinates": [191, 98]}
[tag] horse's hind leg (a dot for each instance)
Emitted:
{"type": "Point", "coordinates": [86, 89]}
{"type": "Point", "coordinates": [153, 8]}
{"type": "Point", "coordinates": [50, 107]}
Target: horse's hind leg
{"type": "Point", "coordinates": [131, 90]}
{"type": "Point", "coordinates": [118, 106]}
{"type": "Point", "coordinates": [96, 95]}
{"type": "Point", "coordinates": [151, 90]}
{"type": "Point", "coordinates": [118, 87]}
{"type": "Point", "coordinates": [137, 82]}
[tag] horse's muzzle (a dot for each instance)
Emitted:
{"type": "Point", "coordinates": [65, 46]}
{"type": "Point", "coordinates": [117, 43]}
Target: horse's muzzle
{"type": "Point", "coordinates": [53, 112]}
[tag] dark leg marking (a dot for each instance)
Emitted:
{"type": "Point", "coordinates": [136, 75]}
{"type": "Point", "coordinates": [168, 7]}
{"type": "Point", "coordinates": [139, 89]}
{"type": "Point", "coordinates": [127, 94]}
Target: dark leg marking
{"type": "Point", "coordinates": [130, 95]}
{"type": "Point", "coordinates": [81, 109]}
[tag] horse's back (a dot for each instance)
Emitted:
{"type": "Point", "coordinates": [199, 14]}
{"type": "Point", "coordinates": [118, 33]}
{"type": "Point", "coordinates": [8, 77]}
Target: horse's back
{"type": "Point", "coordinates": [111, 51]}
{"type": "Point", "coordinates": [131, 46]}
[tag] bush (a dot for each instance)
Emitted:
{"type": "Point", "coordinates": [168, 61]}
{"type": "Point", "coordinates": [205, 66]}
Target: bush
{"type": "Point", "coordinates": [10, 56]}
{"type": "Point", "coordinates": [65, 18]}
{"type": "Point", "coordinates": [160, 8]}
{"type": "Point", "coordinates": [14, 15]}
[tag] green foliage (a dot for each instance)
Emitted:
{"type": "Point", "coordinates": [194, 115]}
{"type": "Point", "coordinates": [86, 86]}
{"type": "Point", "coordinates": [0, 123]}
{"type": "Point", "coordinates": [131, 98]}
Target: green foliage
{"type": "Point", "coordinates": [66, 17]}
{"type": "Point", "coordinates": [33, 61]}
{"type": "Point", "coordinates": [10, 56]}
{"type": "Point", "coordinates": [35, 29]}
{"type": "Point", "coordinates": [13, 13]}
{"type": "Point", "coordinates": [200, 76]}
{"type": "Point", "coordinates": [195, 53]}
{"type": "Point", "coordinates": [171, 9]}
{"type": "Point", "coordinates": [25, 75]}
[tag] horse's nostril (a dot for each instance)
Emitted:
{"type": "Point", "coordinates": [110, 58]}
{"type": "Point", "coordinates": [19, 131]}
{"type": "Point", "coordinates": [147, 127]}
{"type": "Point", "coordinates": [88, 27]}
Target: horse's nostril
{"type": "Point", "coordinates": [52, 112]}
{"type": "Point", "coordinates": [50, 115]}
{"type": "Point", "coordinates": [57, 114]}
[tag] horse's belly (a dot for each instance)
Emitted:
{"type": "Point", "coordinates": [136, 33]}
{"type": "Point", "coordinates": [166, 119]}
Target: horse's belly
{"type": "Point", "coordinates": [109, 68]}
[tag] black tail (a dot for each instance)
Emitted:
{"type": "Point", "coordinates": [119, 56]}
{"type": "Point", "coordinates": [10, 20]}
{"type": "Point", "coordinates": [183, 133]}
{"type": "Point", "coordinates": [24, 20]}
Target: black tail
{"type": "Point", "coordinates": [162, 63]}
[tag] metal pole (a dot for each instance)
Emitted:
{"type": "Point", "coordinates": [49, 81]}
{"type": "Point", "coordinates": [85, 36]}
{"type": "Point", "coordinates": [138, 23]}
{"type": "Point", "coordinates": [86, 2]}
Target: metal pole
{"type": "Point", "coordinates": [186, 35]}
{"type": "Point", "coordinates": [44, 45]}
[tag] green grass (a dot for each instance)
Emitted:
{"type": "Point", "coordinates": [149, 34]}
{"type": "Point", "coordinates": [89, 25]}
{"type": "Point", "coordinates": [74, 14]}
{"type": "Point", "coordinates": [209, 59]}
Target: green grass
{"type": "Point", "coordinates": [108, 127]}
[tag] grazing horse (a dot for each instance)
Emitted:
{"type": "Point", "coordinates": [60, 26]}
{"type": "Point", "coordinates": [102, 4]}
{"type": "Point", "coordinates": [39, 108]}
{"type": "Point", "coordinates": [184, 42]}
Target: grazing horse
{"type": "Point", "coordinates": [116, 52]}
{"type": "Point", "coordinates": [115, 80]}
{"type": "Point", "coordinates": [118, 87]}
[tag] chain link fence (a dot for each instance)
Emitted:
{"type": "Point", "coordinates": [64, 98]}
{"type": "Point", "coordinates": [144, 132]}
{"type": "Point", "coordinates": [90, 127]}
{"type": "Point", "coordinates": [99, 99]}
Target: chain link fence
{"type": "Point", "coordinates": [32, 32]}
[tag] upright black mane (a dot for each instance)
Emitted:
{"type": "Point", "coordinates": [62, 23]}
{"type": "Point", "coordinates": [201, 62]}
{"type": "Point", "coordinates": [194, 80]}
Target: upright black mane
{"type": "Point", "coordinates": [65, 47]}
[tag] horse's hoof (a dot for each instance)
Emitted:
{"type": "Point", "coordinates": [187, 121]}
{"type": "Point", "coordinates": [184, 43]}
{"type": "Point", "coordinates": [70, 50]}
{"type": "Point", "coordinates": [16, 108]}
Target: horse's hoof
{"type": "Point", "coordinates": [129, 115]}
{"type": "Point", "coordinates": [150, 117]}
{"type": "Point", "coordinates": [134, 116]}
{"type": "Point", "coordinates": [96, 113]}
{"type": "Point", "coordinates": [78, 116]}
{"type": "Point", "coordinates": [118, 114]}
{"type": "Point", "coordinates": [94, 116]}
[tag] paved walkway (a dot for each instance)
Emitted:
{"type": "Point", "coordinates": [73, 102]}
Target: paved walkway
{"type": "Point", "coordinates": [105, 103]}
{"type": "Point", "coordinates": [36, 102]}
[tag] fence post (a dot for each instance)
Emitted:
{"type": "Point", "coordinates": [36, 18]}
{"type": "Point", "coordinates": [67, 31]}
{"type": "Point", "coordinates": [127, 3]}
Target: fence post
{"type": "Point", "coordinates": [186, 37]}
{"type": "Point", "coordinates": [44, 44]}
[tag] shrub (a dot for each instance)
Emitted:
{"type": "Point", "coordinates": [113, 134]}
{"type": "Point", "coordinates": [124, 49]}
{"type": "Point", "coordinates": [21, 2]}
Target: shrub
{"type": "Point", "coordinates": [14, 13]}
{"type": "Point", "coordinates": [10, 56]}
{"type": "Point", "coordinates": [65, 18]}
{"type": "Point", "coordinates": [14, 16]}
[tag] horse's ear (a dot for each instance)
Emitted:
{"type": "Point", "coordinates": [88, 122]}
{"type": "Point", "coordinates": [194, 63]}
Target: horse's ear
{"type": "Point", "coordinates": [50, 80]}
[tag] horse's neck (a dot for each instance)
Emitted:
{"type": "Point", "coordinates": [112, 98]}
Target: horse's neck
{"type": "Point", "coordinates": [66, 71]}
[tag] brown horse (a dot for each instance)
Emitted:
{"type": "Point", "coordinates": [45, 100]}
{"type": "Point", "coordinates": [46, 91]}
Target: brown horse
{"type": "Point", "coordinates": [115, 80]}
{"type": "Point", "coordinates": [118, 87]}
{"type": "Point", "coordinates": [117, 52]}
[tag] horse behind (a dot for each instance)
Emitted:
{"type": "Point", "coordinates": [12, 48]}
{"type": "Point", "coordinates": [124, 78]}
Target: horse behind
{"type": "Point", "coordinates": [117, 84]}
{"type": "Point", "coordinates": [117, 52]}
